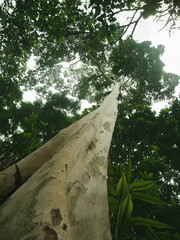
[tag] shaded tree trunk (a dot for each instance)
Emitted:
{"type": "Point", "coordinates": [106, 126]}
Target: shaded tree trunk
{"type": "Point", "coordinates": [66, 198]}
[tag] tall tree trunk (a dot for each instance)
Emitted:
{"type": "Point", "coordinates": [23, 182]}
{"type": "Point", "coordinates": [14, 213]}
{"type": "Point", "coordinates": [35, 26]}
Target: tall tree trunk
{"type": "Point", "coordinates": [67, 197]}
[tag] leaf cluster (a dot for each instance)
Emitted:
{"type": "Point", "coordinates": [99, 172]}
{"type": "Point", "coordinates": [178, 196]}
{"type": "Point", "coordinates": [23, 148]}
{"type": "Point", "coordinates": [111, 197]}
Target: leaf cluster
{"type": "Point", "coordinates": [152, 142]}
{"type": "Point", "coordinates": [121, 205]}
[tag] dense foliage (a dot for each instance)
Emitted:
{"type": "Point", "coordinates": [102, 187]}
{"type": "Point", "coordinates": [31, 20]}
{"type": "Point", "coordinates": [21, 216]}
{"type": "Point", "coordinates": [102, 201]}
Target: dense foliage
{"type": "Point", "coordinates": [152, 142]}
{"type": "Point", "coordinates": [54, 32]}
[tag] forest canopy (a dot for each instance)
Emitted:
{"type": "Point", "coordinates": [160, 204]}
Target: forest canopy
{"type": "Point", "coordinates": [76, 32]}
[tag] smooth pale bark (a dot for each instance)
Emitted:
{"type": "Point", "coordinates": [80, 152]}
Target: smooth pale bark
{"type": "Point", "coordinates": [67, 197]}
{"type": "Point", "coordinates": [14, 176]}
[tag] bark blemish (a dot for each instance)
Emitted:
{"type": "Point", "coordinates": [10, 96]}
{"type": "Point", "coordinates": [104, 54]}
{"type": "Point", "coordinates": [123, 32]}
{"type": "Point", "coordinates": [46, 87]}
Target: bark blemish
{"type": "Point", "coordinates": [42, 184]}
{"type": "Point", "coordinates": [95, 116]}
{"type": "Point", "coordinates": [106, 126]}
{"type": "Point", "coordinates": [78, 131]}
{"type": "Point", "coordinates": [50, 234]}
{"type": "Point", "coordinates": [85, 177]}
{"type": "Point", "coordinates": [76, 190]}
{"type": "Point", "coordinates": [72, 220]}
{"type": "Point", "coordinates": [93, 168]}
{"type": "Point", "coordinates": [17, 175]}
{"type": "Point", "coordinates": [100, 160]}
{"type": "Point", "coordinates": [76, 185]}
{"type": "Point", "coordinates": [56, 216]}
{"type": "Point", "coordinates": [91, 146]}
{"type": "Point", "coordinates": [93, 199]}
{"type": "Point", "coordinates": [68, 188]}
{"type": "Point", "coordinates": [64, 227]}
{"type": "Point", "coordinates": [101, 132]}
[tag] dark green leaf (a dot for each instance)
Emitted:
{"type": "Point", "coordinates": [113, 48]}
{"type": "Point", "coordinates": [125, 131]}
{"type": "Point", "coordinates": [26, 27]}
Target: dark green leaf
{"type": "Point", "coordinates": [147, 198]}
{"type": "Point", "coordinates": [151, 233]}
{"type": "Point", "coordinates": [139, 221]}
{"type": "Point", "coordinates": [129, 171]}
{"type": "Point", "coordinates": [122, 187]}
{"type": "Point", "coordinates": [141, 186]}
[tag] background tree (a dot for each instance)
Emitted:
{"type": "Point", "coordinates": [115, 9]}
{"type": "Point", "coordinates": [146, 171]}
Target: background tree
{"type": "Point", "coordinates": [53, 32]}
{"type": "Point", "coordinates": [151, 142]}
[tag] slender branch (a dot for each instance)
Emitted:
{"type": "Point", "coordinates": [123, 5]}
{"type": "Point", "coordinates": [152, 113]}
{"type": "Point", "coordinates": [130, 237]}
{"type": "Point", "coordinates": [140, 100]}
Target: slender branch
{"type": "Point", "coordinates": [98, 65]}
{"type": "Point", "coordinates": [131, 22]}
{"type": "Point", "coordinates": [162, 11]}
{"type": "Point", "coordinates": [135, 25]}
{"type": "Point", "coordinates": [128, 10]}
{"type": "Point", "coordinates": [124, 83]}
{"type": "Point", "coordinates": [128, 91]}
{"type": "Point", "coordinates": [170, 19]}
{"type": "Point", "coordinates": [73, 64]}
{"type": "Point", "coordinates": [167, 22]}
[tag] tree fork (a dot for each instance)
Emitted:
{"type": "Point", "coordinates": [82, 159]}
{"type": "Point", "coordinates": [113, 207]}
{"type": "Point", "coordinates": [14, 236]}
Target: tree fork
{"type": "Point", "coordinates": [67, 197]}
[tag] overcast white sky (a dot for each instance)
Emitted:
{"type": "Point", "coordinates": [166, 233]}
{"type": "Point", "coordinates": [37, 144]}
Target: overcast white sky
{"type": "Point", "coordinates": [149, 30]}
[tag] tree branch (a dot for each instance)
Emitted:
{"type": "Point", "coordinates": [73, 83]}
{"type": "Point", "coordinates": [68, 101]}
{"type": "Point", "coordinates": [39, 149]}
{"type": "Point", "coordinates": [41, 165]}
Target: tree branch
{"type": "Point", "coordinates": [98, 65]}
{"type": "Point", "coordinates": [132, 21]}
{"type": "Point", "coordinates": [128, 91]}
{"type": "Point", "coordinates": [135, 25]}
{"type": "Point", "coordinates": [73, 64]}
{"type": "Point", "coordinates": [128, 10]}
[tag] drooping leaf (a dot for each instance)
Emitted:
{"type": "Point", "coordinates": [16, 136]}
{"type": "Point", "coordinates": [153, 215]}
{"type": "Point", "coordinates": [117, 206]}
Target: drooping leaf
{"type": "Point", "coordinates": [147, 198]}
{"type": "Point", "coordinates": [151, 233]}
{"type": "Point", "coordinates": [141, 186]}
{"type": "Point", "coordinates": [113, 204]}
{"type": "Point", "coordinates": [125, 209]}
{"type": "Point", "coordinates": [122, 187]}
{"type": "Point", "coordinates": [139, 221]}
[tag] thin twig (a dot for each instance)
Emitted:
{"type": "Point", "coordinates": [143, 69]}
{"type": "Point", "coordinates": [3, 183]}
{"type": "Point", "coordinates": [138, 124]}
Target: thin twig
{"type": "Point", "coordinates": [167, 22]}
{"type": "Point", "coordinates": [127, 10]}
{"type": "Point", "coordinates": [162, 11]}
{"type": "Point", "coordinates": [73, 64]}
{"type": "Point", "coordinates": [128, 91]}
{"type": "Point", "coordinates": [98, 65]}
{"type": "Point", "coordinates": [126, 81]}
{"type": "Point", "coordinates": [135, 25]}
{"type": "Point", "coordinates": [131, 22]}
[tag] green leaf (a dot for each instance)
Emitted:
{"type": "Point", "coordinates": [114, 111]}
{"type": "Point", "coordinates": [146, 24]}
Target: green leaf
{"type": "Point", "coordinates": [61, 39]}
{"type": "Point", "coordinates": [141, 186]}
{"type": "Point", "coordinates": [147, 198]}
{"type": "Point", "coordinates": [122, 187]}
{"type": "Point", "coordinates": [139, 221]}
{"type": "Point", "coordinates": [125, 209]}
{"type": "Point", "coordinates": [113, 19]}
{"type": "Point", "coordinates": [151, 233]}
{"type": "Point", "coordinates": [129, 171]}
{"type": "Point", "coordinates": [113, 204]}
{"type": "Point", "coordinates": [90, 50]}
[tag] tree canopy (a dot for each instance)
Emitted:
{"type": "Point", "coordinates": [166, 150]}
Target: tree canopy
{"type": "Point", "coordinates": [76, 32]}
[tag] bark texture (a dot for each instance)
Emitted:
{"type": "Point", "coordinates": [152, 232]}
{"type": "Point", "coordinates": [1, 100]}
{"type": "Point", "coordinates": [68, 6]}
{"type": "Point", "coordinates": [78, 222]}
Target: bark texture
{"type": "Point", "coordinates": [66, 199]}
{"type": "Point", "coordinates": [14, 176]}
